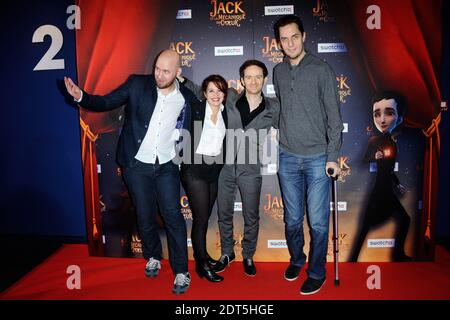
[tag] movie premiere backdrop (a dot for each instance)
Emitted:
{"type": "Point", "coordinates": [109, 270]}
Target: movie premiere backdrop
{"type": "Point", "coordinates": [370, 45]}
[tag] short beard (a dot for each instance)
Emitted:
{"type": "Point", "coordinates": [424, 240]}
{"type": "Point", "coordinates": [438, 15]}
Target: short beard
{"type": "Point", "coordinates": [166, 85]}
{"type": "Point", "coordinates": [297, 56]}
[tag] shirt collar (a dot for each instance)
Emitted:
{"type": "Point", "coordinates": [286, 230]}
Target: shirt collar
{"type": "Point", "coordinates": [210, 109]}
{"type": "Point", "coordinates": [176, 91]}
{"type": "Point", "coordinates": [286, 59]}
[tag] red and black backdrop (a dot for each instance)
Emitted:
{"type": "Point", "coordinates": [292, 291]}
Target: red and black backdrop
{"type": "Point", "coordinates": [403, 53]}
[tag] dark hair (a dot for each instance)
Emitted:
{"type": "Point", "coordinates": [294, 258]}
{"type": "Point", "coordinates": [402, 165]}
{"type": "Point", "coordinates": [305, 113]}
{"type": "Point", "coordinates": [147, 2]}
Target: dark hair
{"type": "Point", "coordinates": [402, 106]}
{"type": "Point", "coordinates": [249, 63]}
{"type": "Point", "coordinates": [284, 21]}
{"type": "Point", "coordinates": [218, 81]}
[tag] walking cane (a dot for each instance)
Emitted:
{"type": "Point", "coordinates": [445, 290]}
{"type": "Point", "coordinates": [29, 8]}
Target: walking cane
{"type": "Point", "coordinates": [335, 228]}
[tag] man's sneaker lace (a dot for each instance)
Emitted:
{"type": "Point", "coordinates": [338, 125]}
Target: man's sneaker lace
{"type": "Point", "coordinates": [181, 283]}
{"type": "Point", "coordinates": [152, 268]}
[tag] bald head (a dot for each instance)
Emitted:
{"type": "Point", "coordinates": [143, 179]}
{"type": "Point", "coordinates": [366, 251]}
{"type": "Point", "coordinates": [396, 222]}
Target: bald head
{"type": "Point", "coordinates": [171, 56]}
{"type": "Point", "coordinates": [167, 68]}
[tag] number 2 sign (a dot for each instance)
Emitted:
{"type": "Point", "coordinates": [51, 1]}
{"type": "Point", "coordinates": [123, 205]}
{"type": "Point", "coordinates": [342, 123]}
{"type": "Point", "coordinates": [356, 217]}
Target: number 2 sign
{"type": "Point", "coordinates": [48, 62]}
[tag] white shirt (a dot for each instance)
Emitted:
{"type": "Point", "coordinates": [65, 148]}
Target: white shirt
{"type": "Point", "coordinates": [212, 134]}
{"type": "Point", "coordinates": [159, 141]}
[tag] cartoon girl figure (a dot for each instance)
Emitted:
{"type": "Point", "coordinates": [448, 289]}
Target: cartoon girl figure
{"type": "Point", "coordinates": [389, 109]}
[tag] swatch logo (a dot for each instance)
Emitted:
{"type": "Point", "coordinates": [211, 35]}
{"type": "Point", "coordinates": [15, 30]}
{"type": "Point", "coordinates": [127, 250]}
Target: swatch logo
{"type": "Point", "coordinates": [184, 14]}
{"type": "Point", "coordinates": [276, 244]}
{"type": "Point", "coordinates": [331, 47]}
{"type": "Point", "coordinates": [278, 10]}
{"type": "Point", "coordinates": [229, 51]}
{"type": "Point", "coordinates": [381, 243]}
{"type": "Point", "coordinates": [342, 206]}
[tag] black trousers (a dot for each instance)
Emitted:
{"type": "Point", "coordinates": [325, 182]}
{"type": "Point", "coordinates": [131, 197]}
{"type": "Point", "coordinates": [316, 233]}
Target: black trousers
{"type": "Point", "coordinates": [202, 193]}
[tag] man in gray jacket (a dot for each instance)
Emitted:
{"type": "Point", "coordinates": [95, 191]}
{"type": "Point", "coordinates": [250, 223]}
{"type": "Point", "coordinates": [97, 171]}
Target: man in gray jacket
{"type": "Point", "coordinates": [310, 138]}
{"type": "Point", "coordinates": [250, 116]}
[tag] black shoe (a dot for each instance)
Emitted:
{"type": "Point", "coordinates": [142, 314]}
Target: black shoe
{"type": "Point", "coordinates": [311, 286]}
{"type": "Point", "coordinates": [292, 272]}
{"type": "Point", "coordinates": [223, 262]}
{"type": "Point", "coordinates": [249, 267]}
{"type": "Point", "coordinates": [211, 261]}
{"type": "Point", "coordinates": [204, 270]}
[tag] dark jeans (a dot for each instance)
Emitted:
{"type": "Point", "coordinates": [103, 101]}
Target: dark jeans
{"type": "Point", "coordinates": [151, 185]}
{"type": "Point", "coordinates": [202, 195]}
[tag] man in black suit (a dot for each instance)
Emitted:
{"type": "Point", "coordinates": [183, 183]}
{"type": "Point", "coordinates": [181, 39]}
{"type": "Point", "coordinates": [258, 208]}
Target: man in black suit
{"type": "Point", "coordinates": [156, 107]}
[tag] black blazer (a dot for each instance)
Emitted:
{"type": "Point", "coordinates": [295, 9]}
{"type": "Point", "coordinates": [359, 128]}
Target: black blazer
{"type": "Point", "coordinates": [205, 171]}
{"type": "Point", "coordinates": [139, 95]}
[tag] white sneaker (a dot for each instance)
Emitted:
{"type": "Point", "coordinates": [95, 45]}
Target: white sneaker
{"type": "Point", "coordinates": [152, 268]}
{"type": "Point", "coordinates": [181, 283]}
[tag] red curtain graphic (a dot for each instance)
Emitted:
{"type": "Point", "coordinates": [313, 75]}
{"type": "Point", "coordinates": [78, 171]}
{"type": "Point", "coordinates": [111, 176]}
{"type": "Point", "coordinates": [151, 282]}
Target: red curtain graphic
{"type": "Point", "coordinates": [116, 39]}
{"type": "Point", "coordinates": [404, 55]}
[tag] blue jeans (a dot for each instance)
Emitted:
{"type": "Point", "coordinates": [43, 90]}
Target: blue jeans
{"type": "Point", "coordinates": [151, 185]}
{"type": "Point", "coordinates": [304, 178]}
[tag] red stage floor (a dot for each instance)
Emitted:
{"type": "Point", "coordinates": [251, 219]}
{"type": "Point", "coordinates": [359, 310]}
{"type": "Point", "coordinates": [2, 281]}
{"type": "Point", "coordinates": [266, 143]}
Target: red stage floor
{"type": "Point", "coordinates": [119, 278]}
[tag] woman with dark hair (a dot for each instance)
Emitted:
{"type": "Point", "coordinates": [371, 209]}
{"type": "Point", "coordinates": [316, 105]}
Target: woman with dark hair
{"type": "Point", "coordinates": [200, 170]}
{"type": "Point", "coordinates": [389, 109]}
{"type": "Point", "coordinates": [250, 114]}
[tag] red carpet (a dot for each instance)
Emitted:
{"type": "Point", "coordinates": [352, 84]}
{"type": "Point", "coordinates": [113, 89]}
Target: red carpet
{"type": "Point", "coordinates": [114, 278]}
